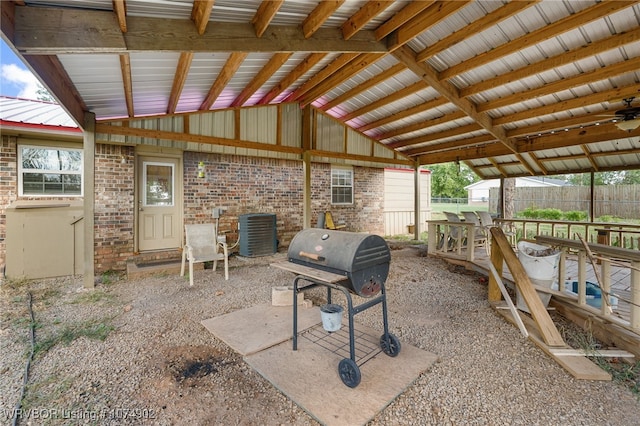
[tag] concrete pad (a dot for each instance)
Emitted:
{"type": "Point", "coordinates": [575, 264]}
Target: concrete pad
{"type": "Point", "coordinates": [309, 376]}
{"type": "Point", "coordinates": [259, 327]}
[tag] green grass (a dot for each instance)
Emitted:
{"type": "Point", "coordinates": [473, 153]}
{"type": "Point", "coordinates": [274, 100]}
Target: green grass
{"type": "Point", "coordinates": [92, 329]}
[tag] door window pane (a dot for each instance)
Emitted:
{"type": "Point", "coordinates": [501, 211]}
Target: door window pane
{"type": "Point", "coordinates": [158, 184]}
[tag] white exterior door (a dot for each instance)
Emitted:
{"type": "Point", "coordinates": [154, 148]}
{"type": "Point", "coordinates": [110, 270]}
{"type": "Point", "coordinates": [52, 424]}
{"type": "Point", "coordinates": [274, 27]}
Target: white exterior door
{"type": "Point", "coordinates": [159, 215]}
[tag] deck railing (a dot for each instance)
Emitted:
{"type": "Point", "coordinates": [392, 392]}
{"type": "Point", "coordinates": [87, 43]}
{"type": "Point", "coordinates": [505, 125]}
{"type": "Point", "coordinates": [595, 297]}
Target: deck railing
{"type": "Point", "coordinates": [608, 233]}
{"type": "Point", "coordinates": [606, 255]}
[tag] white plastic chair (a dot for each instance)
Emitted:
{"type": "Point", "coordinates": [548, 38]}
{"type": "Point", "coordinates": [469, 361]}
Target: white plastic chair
{"type": "Point", "coordinates": [456, 233]}
{"type": "Point", "coordinates": [202, 245]}
{"type": "Point", "coordinates": [480, 235]}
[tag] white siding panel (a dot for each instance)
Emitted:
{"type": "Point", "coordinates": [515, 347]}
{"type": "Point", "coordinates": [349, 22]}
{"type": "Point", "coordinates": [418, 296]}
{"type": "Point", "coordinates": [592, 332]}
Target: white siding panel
{"type": "Point", "coordinates": [329, 134]}
{"type": "Point", "coordinates": [358, 144]}
{"type": "Point", "coordinates": [259, 124]}
{"type": "Point", "coordinates": [219, 124]}
{"type": "Point", "coordinates": [291, 125]}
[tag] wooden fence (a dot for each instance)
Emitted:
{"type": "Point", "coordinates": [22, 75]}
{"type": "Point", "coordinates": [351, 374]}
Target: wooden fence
{"type": "Point", "coordinates": [614, 200]}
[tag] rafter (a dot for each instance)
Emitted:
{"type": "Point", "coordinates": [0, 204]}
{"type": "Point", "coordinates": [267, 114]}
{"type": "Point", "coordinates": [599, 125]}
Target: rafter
{"type": "Point", "coordinates": [461, 130]}
{"type": "Point", "coordinates": [182, 71]}
{"type": "Point", "coordinates": [546, 32]}
{"type": "Point", "coordinates": [402, 17]}
{"type": "Point", "coordinates": [406, 55]}
{"type": "Point", "coordinates": [320, 76]}
{"type": "Point", "coordinates": [590, 158]}
{"type": "Point", "coordinates": [265, 13]}
{"type": "Point", "coordinates": [356, 65]}
{"type": "Point", "coordinates": [319, 15]}
{"type": "Point", "coordinates": [423, 124]}
{"type": "Point", "coordinates": [539, 163]}
{"type": "Point", "coordinates": [200, 14]}
{"type": "Point", "coordinates": [366, 13]}
{"type": "Point", "coordinates": [572, 56]}
{"type": "Point", "coordinates": [384, 75]}
{"type": "Point", "coordinates": [573, 137]}
{"type": "Point", "coordinates": [120, 9]}
{"type": "Point", "coordinates": [632, 65]}
{"type": "Point", "coordinates": [475, 27]}
{"type": "Point", "coordinates": [457, 145]}
{"type": "Point", "coordinates": [125, 70]}
{"type": "Point", "coordinates": [265, 73]}
{"type": "Point", "coordinates": [230, 67]}
{"type": "Point", "coordinates": [423, 21]}
{"type": "Point", "coordinates": [395, 96]}
{"type": "Point", "coordinates": [301, 69]}
{"type": "Point", "coordinates": [408, 112]}
{"type": "Point", "coordinates": [583, 101]}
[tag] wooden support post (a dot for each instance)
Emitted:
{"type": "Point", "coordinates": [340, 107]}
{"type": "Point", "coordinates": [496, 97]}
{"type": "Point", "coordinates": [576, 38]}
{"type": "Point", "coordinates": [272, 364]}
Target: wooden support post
{"type": "Point", "coordinates": [562, 269]}
{"type": "Point", "coordinates": [497, 260]}
{"type": "Point", "coordinates": [432, 237]}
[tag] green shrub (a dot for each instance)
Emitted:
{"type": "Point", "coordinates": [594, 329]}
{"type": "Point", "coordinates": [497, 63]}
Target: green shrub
{"type": "Point", "coordinates": [551, 214]}
{"type": "Point", "coordinates": [529, 213]}
{"type": "Point", "coordinates": [575, 215]}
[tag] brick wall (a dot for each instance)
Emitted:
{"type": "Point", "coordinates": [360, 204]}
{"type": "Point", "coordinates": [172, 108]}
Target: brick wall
{"type": "Point", "coordinates": [8, 184]}
{"type": "Point", "coordinates": [256, 185]}
{"type": "Point", "coordinates": [113, 215]}
{"type": "Point", "coordinates": [236, 183]}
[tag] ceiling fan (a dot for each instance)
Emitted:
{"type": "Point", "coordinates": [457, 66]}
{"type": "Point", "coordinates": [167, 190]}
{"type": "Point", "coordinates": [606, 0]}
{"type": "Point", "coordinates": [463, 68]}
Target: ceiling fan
{"type": "Point", "coordinates": [628, 118]}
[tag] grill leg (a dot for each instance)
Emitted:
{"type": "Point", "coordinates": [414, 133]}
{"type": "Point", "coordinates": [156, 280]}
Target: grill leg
{"type": "Point", "coordinates": [295, 313]}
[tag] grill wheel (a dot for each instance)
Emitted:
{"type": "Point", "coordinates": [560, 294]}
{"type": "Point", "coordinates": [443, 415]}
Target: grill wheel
{"type": "Point", "coordinates": [349, 372]}
{"type": "Point", "coordinates": [390, 344]}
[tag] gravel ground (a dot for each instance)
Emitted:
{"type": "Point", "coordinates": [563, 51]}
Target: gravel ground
{"type": "Point", "coordinates": [134, 352]}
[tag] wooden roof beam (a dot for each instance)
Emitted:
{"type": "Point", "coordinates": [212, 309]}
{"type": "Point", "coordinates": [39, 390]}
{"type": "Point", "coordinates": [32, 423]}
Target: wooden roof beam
{"type": "Point", "coordinates": [302, 68]}
{"type": "Point", "coordinates": [182, 71]}
{"type": "Point", "coordinates": [265, 73]}
{"type": "Point", "coordinates": [125, 70]}
{"type": "Point", "coordinates": [574, 137]}
{"type": "Point", "coordinates": [406, 55]}
{"type": "Point", "coordinates": [455, 145]}
{"type": "Point", "coordinates": [592, 49]}
{"type": "Point", "coordinates": [435, 136]}
{"type": "Point", "coordinates": [416, 109]}
{"type": "Point", "coordinates": [475, 27]}
{"type": "Point", "coordinates": [319, 15]}
{"type": "Point", "coordinates": [631, 65]}
{"type": "Point", "coordinates": [120, 9]}
{"type": "Point", "coordinates": [200, 14]}
{"type": "Point", "coordinates": [559, 107]}
{"type": "Point", "coordinates": [355, 66]}
{"type": "Point", "coordinates": [384, 75]}
{"type": "Point", "coordinates": [400, 18]}
{"type": "Point", "coordinates": [358, 20]}
{"type": "Point", "coordinates": [590, 158]}
{"type": "Point", "coordinates": [224, 76]}
{"type": "Point", "coordinates": [539, 163]}
{"type": "Point", "coordinates": [49, 31]}
{"type": "Point", "coordinates": [320, 76]}
{"type": "Point", "coordinates": [422, 124]}
{"type": "Point", "coordinates": [544, 33]}
{"type": "Point", "coordinates": [265, 14]}
{"type": "Point", "coordinates": [395, 96]}
{"type": "Point", "coordinates": [423, 21]}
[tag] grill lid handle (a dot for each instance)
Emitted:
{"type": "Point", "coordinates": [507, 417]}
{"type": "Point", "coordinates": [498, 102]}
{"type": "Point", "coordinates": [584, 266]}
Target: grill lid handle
{"type": "Point", "coordinates": [311, 256]}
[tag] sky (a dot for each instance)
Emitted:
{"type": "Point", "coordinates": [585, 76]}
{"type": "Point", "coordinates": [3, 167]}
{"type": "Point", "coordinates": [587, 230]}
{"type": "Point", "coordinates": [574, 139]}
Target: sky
{"type": "Point", "coordinates": [15, 78]}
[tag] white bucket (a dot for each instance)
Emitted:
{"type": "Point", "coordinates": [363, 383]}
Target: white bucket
{"type": "Point", "coordinates": [541, 268]}
{"type": "Point", "coordinates": [331, 317]}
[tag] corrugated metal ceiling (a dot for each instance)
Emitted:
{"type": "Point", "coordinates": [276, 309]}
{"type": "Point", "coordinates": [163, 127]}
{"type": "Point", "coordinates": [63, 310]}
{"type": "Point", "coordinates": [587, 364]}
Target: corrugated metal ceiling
{"type": "Point", "coordinates": [492, 83]}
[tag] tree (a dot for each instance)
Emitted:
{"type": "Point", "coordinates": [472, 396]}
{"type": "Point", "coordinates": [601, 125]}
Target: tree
{"type": "Point", "coordinates": [44, 95]}
{"type": "Point", "coordinates": [622, 177]}
{"type": "Point", "coordinates": [448, 180]}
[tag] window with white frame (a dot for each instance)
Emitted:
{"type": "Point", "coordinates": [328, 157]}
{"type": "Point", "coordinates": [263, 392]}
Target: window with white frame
{"type": "Point", "coordinates": [341, 185]}
{"type": "Point", "coordinates": [49, 171]}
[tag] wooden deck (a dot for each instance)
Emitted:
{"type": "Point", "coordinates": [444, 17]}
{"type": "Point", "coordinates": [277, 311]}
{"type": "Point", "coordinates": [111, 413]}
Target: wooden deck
{"type": "Point", "coordinates": [566, 302]}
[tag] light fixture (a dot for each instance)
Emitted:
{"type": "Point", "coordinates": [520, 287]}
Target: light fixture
{"type": "Point", "coordinates": [628, 125]}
